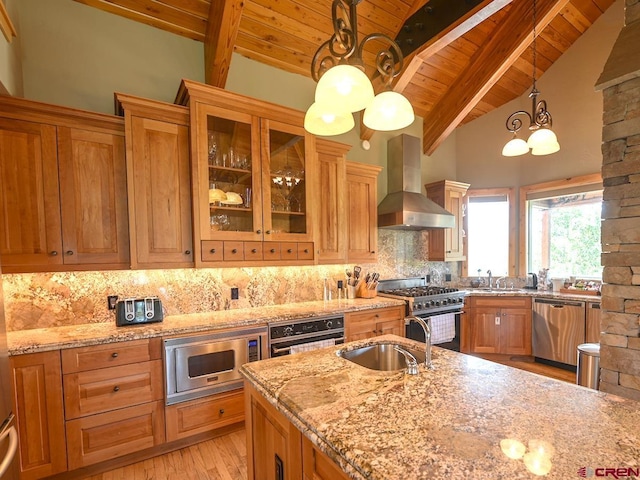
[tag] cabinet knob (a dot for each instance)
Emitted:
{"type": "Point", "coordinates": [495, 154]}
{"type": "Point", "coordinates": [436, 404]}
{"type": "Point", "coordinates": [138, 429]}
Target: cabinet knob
{"type": "Point", "coordinates": [69, 252]}
{"type": "Point", "coordinates": [273, 250]}
{"type": "Point", "coordinates": [53, 253]}
{"type": "Point", "coordinates": [213, 250]}
{"type": "Point", "coordinates": [114, 355]}
{"type": "Point", "coordinates": [448, 251]}
{"type": "Point", "coordinates": [377, 315]}
{"type": "Point", "coordinates": [306, 250]}
{"type": "Point", "coordinates": [258, 232]}
{"type": "Point", "coordinates": [235, 250]}
{"type": "Point", "coordinates": [254, 250]}
{"type": "Point", "coordinates": [187, 252]}
{"type": "Point", "coordinates": [268, 232]}
{"type": "Point", "coordinates": [289, 250]}
{"type": "Point", "coordinates": [222, 411]}
{"type": "Point", "coordinates": [373, 251]}
{"type": "Point", "coordinates": [116, 388]}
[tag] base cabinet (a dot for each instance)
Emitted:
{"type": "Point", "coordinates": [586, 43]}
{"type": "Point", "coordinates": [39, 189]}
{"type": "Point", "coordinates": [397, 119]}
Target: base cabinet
{"type": "Point", "coordinates": [499, 325]}
{"type": "Point", "coordinates": [38, 406]}
{"type": "Point", "coordinates": [317, 466]}
{"type": "Point", "coordinates": [372, 323]}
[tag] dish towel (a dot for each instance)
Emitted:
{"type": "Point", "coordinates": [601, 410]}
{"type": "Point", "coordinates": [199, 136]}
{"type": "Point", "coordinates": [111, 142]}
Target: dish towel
{"type": "Point", "coordinates": [443, 328]}
{"type": "Point", "coordinates": [307, 347]}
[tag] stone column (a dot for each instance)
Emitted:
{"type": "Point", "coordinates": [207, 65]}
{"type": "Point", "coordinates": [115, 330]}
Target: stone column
{"type": "Point", "coordinates": [620, 82]}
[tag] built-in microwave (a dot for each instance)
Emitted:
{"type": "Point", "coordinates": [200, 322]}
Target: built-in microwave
{"type": "Point", "coordinates": [201, 365]}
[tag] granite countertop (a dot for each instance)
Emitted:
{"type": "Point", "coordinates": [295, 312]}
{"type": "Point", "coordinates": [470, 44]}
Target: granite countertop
{"type": "Point", "coordinates": [506, 292]}
{"type": "Point", "coordinates": [448, 422]}
{"type": "Point", "coordinates": [45, 339]}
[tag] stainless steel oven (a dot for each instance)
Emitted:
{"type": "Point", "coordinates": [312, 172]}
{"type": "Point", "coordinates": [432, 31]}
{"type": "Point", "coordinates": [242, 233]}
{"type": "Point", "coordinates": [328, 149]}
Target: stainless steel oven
{"type": "Point", "coordinates": [201, 365]}
{"type": "Point", "coordinates": [303, 335]}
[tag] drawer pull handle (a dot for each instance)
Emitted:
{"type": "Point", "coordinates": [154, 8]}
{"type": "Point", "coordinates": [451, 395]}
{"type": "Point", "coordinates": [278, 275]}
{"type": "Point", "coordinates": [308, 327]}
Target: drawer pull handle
{"type": "Point", "coordinates": [69, 252]}
{"type": "Point", "coordinates": [187, 252]}
{"type": "Point", "coordinates": [258, 232]}
{"type": "Point", "coordinates": [213, 250]}
{"type": "Point", "coordinates": [235, 250]}
{"type": "Point", "coordinates": [116, 388]}
{"type": "Point", "coordinates": [114, 355]}
{"type": "Point", "coordinates": [254, 250]}
{"type": "Point", "coordinates": [306, 250]}
{"type": "Point", "coordinates": [377, 315]}
{"type": "Point", "coordinates": [273, 250]}
{"type": "Point", "coordinates": [268, 232]}
{"type": "Point", "coordinates": [289, 250]}
{"type": "Point", "coordinates": [53, 253]}
{"type": "Point", "coordinates": [222, 411]}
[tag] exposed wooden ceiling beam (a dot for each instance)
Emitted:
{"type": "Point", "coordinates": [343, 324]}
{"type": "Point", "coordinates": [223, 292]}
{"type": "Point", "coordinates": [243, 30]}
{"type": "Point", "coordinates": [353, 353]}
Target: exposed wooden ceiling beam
{"type": "Point", "coordinates": [413, 62]}
{"type": "Point", "coordinates": [222, 30]}
{"type": "Point", "coordinates": [491, 61]}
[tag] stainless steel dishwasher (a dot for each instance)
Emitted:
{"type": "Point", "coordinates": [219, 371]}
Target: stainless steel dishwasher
{"type": "Point", "coordinates": [558, 329]}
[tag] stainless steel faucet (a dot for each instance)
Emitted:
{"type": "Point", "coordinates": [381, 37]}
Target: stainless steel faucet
{"type": "Point", "coordinates": [489, 273]}
{"type": "Point", "coordinates": [427, 339]}
{"type": "Point", "coordinates": [498, 282]}
{"type": "Point", "coordinates": [412, 363]}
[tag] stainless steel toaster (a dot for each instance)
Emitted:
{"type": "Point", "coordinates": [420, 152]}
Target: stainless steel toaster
{"type": "Point", "coordinates": [134, 311]}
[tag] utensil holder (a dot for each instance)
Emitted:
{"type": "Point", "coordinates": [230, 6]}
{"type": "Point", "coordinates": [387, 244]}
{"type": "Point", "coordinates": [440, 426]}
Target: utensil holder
{"type": "Point", "coordinates": [363, 292]}
{"type": "Point", "coordinates": [351, 291]}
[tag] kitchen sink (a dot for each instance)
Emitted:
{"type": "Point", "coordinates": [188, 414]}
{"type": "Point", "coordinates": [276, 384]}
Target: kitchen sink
{"type": "Point", "coordinates": [381, 357]}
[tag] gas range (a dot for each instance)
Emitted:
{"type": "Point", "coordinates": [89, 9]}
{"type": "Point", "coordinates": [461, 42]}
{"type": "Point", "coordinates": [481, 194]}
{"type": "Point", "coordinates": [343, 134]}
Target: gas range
{"type": "Point", "coordinates": [422, 298]}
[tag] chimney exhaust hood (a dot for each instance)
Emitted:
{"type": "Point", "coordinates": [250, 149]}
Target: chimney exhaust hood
{"type": "Point", "coordinates": [404, 207]}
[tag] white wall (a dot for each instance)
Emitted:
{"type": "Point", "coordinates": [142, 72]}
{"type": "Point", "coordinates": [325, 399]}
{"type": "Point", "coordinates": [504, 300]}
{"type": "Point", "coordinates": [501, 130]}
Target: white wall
{"type": "Point", "coordinates": [568, 88]}
{"type": "Point", "coordinates": [10, 61]}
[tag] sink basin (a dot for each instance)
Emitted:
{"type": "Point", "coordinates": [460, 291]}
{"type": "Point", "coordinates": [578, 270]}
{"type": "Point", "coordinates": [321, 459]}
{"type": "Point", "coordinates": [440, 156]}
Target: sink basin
{"type": "Point", "coordinates": [381, 357]}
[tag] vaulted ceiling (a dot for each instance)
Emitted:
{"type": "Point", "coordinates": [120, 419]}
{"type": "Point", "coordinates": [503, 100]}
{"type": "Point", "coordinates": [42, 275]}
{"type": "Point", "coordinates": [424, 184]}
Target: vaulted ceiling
{"type": "Point", "coordinates": [468, 66]}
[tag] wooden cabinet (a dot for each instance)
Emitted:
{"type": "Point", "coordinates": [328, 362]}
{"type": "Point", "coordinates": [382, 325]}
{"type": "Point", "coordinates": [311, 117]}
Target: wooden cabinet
{"type": "Point", "coordinates": [113, 400]}
{"type": "Point", "coordinates": [38, 406]}
{"type": "Point", "coordinates": [254, 173]}
{"type": "Point", "coordinates": [446, 244]}
{"type": "Point", "coordinates": [274, 445]}
{"type": "Point", "coordinates": [593, 327]}
{"type": "Point", "coordinates": [497, 325]}
{"type": "Point", "coordinates": [204, 414]}
{"type": "Point", "coordinates": [371, 323]}
{"type": "Point", "coordinates": [332, 216]}
{"type": "Point", "coordinates": [362, 204]}
{"type": "Point", "coordinates": [316, 465]}
{"type": "Point", "coordinates": [158, 182]}
{"type": "Point", "coordinates": [63, 189]}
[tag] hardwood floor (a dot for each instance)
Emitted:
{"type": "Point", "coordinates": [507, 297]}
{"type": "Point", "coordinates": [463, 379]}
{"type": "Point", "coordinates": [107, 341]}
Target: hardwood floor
{"type": "Point", "coordinates": [224, 457]}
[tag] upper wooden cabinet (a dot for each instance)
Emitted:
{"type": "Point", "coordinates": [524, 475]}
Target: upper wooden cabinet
{"type": "Point", "coordinates": [446, 244]}
{"type": "Point", "coordinates": [254, 166]}
{"type": "Point", "coordinates": [331, 230]}
{"type": "Point", "coordinates": [362, 204]}
{"type": "Point", "coordinates": [63, 189]}
{"type": "Point", "coordinates": [159, 183]}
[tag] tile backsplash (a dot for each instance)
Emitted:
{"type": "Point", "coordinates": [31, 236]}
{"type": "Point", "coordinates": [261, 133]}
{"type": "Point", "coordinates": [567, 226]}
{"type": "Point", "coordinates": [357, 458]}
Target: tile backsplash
{"type": "Point", "coordinates": [40, 300]}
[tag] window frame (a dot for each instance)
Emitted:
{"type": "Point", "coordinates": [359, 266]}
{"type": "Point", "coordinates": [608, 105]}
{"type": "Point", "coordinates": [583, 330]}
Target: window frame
{"type": "Point", "coordinates": [509, 192]}
{"type": "Point", "coordinates": [590, 180]}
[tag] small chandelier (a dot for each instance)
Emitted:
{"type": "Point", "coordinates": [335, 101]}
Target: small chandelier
{"type": "Point", "coordinates": [542, 140]}
{"type": "Point", "coordinates": [343, 86]}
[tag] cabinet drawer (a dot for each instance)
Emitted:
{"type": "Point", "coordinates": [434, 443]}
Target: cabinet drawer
{"type": "Point", "coordinates": [113, 434]}
{"type": "Point", "coordinates": [110, 355]}
{"type": "Point", "coordinates": [212, 251]}
{"type": "Point", "coordinates": [305, 251]}
{"type": "Point", "coordinates": [288, 251]}
{"type": "Point", "coordinates": [253, 250]}
{"type": "Point", "coordinates": [204, 414]}
{"type": "Point", "coordinates": [272, 251]}
{"type": "Point", "coordinates": [500, 302]}
{"type": "Point", "coordinates": [233, 251]}
{"type": "Point", "coordinates": [97, 391]}
{"type": "Point", "coordinates": [376, 315]}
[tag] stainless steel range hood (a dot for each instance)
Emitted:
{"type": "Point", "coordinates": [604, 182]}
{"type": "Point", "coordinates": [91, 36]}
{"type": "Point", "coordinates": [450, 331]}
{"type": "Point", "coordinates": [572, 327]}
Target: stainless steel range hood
{"type": "Point", "coordinates": [404, 207]}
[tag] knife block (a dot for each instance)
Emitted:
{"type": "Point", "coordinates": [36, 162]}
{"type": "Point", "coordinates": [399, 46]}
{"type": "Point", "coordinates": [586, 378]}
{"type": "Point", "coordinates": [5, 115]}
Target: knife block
{"type": "Point", "coordinates": [363, 292]}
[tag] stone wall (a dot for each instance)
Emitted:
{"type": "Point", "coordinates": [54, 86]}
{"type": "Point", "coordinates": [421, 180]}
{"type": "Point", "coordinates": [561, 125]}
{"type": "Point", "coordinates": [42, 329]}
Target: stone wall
{"type": "Point", "coordinates": [619, 341]}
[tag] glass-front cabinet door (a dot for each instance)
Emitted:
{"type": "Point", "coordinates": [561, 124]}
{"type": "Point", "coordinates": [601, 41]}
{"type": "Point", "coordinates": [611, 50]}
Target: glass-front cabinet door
{"type": "Point", "coordinates": [229, 175]}
{"type": "Point", "coordinates": [287, 160]}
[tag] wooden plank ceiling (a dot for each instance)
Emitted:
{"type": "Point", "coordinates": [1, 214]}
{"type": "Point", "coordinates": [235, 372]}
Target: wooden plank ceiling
{"type": "Point", "coordinates": [479, 63]}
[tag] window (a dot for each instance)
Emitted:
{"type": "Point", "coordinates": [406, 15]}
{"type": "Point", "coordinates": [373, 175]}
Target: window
{"type": "Point", "coordinates": [489, 232]}
{"type": "Point", "coordinates": [563, 227]}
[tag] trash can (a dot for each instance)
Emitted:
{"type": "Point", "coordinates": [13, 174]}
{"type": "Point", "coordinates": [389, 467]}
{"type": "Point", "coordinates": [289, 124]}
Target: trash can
{"type": "Point", "coordinates": [588, 371]}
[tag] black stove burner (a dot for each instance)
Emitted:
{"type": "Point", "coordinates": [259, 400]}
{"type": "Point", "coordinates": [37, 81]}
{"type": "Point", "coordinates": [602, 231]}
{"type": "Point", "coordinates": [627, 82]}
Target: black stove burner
{"type": "Point", "coordinates": [419, 291]}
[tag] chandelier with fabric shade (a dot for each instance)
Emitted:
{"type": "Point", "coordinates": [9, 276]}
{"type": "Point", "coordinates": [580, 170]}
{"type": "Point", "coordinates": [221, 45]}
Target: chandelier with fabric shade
{"type": "Point", "coordinates": [543, 140]}
{"type": "Point", "coordinates": [343, 86]}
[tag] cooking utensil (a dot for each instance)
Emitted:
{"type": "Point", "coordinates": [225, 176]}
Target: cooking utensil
{"type": "Point", "coordinates": [356, 272]}
{"type": "Point", "coordinates": [348, 272]}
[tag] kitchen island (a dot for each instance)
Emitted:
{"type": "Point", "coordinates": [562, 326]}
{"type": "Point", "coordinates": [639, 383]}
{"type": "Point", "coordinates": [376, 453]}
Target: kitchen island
{"type": "Point", "coordinates": [448, 422]}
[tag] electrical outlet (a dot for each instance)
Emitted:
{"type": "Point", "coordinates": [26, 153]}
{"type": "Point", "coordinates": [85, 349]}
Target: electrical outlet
{"type": "Point", "coordinates": [111, 301]}
{"type": "Point", "coordinates": [447, 277]}
{"type": "Point", "coordinates": [428, 279]}
{"type": "Point", "coordinates": [235, 294]}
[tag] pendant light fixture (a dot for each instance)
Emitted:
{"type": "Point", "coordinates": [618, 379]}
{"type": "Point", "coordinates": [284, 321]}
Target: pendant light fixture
{"type": "Point", "coordinates": [542, 140]}
{"type": "Point", "coordinates": [343, 86]}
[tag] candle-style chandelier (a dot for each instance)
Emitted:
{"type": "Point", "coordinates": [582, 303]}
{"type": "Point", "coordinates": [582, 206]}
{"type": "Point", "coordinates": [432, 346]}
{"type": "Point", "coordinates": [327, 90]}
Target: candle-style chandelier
{"type": "Point", "coordinates": [542, 140]}
{"type": "Point", "coordinates": [343, 86]}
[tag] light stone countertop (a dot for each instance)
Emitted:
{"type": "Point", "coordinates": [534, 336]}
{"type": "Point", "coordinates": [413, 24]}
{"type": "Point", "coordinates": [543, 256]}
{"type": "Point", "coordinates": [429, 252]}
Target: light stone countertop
{"type": "Point", "coordinates": [45, 339]}
{"type": "Point", "coordinates": [446, 423]}
{"type": "Point", "coordinates": [506, 292]}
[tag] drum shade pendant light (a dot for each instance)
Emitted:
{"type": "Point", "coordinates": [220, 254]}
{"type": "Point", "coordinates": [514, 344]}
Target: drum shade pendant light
{"type": "Point", "coordinates": [542, 140]}
{"type": "Point", "coordinates": [343, 86]}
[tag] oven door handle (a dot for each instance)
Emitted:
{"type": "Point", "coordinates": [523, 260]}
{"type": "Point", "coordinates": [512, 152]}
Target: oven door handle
{"type": "Point", "coordinates": [277, 351]}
